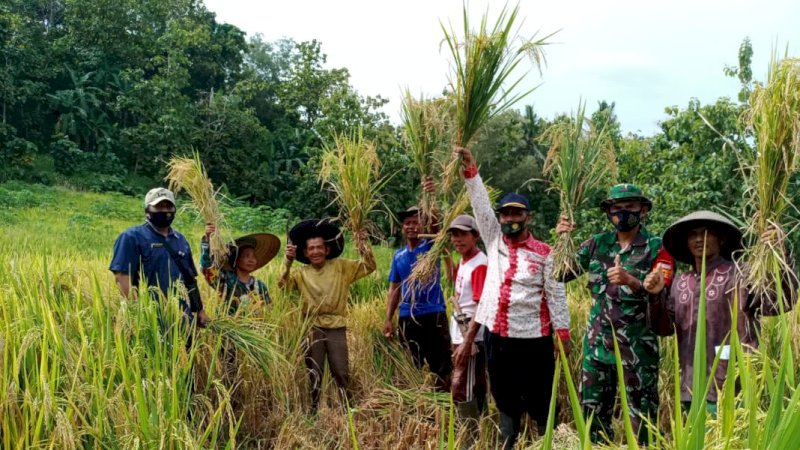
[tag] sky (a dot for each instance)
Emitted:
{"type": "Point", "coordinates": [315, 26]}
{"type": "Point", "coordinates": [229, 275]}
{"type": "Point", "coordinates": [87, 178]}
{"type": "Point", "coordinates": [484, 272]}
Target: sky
{"type": "Point", "coordinates": [642, 55]}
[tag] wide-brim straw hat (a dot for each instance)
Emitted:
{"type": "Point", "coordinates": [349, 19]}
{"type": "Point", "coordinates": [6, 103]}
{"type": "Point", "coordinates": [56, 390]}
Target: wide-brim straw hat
{"type": "Point", "coordinates": [676, 235]}
{"type": "Point", "coordinates": [323, 228]}
{"type": "Point", "coordinates": [264, 245]}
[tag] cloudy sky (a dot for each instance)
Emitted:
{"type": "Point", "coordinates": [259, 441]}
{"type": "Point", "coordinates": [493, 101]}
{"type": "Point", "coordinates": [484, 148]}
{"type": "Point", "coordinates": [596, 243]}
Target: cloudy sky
{"type": "Point", "coordinates": [643, 55]}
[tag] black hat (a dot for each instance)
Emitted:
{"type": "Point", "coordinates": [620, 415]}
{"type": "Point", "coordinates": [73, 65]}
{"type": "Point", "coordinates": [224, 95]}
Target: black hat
{"type": "Point", "coordinates": [402, 215]}
{"type": "Point", "coordinates": [676, 235]}
{"type": "Point", "coordinates": [312, 228]}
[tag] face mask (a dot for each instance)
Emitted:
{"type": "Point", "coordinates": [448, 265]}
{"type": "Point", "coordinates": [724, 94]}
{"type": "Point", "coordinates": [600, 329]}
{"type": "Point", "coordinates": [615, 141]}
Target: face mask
{"type": "Point", "coordinates": [625, 220]}
{"type": "Point", "coordinates": [161, 219]}
{"type": "Point", "coordinates": [512, 228]}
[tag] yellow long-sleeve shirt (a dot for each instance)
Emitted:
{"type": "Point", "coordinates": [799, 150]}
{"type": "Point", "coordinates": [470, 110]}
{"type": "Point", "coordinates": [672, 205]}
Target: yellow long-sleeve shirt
{"type": "Point", "coordinates": [324, 291]}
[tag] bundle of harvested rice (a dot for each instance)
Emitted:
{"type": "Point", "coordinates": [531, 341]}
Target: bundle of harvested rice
{"type": "Point", "coordinates": [188, 174]}
{"type": "Point", "coordinates": [482, 84]}
{"type": "Point", "coordinates": [351, 170]}
{"type": "Point", "coordinates": [774, 117]}
{"type": "Point", "coordinates": [426, 268]}
{"type": "Point", "coordinates": [426, 136]}
{"type": "Point", "coordinates": [251, 338]}
{"type": "Point", "coordinates": [581, 159]}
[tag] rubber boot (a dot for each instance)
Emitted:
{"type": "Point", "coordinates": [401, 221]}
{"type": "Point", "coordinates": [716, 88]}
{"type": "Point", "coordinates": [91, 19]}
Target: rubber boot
{"type": "Point", "coordinates": [509, 430]}
{"type": "Point", "coordinates": [468, 410]}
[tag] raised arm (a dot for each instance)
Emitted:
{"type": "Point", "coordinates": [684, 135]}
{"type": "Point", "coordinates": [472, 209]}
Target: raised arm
{"type": "Point", "coordinates": [286, 281]}
{"type": "Point", "coordinates": [366, 263]}
{"type": "Point", "coordinates": [478, 196]}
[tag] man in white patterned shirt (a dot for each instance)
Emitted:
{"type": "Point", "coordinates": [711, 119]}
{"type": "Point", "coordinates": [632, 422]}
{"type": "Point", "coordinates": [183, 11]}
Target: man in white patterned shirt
{"type": "Point", "coordinates": [522, 307]}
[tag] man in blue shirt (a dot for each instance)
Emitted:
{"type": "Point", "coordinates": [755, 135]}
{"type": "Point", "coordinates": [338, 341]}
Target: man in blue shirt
{"type": "Point", "coordinates": [423, 324]}
{"type": "Point", "coordinates": [142, 253]}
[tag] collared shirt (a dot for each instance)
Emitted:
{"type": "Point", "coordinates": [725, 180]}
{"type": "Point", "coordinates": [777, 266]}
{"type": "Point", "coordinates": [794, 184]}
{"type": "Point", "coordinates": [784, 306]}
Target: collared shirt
{"type": "Point", "coordinates": [325, 291]}
{"type": "Point", "coordinates": [426, 299]}
{"type": "Point", "coordinates": [619, 308]}
{"type": "Point", "coordinates": [228, 284]}
{"type": "Point", "coordinates": [520, 299]}
{"type": "Point", "coordinates": [140, 252]}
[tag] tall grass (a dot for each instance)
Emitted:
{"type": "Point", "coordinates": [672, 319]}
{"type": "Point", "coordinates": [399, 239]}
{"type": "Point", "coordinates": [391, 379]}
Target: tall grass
{"type": "Point", "coordinates": [581, 159]}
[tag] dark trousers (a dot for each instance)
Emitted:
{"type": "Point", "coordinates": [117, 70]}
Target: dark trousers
{"type": "Point", "coordinates": [427, 337]}
{"type": "Point", "coordinates": [330, 344]}
{"type": "Point", "coordinates": [521, 374]}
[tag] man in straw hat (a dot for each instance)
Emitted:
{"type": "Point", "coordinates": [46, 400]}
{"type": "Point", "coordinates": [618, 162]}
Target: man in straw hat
{"type": "Point", "coordinates": [618, 262]}
{"type": "Point", "coordinates": [688, 240]}
{"type": "Point", "coordinates": [469, 382]}
{"type": "Point", "coordinates": [234, 279]}
{"type": "Point", "coordinates": [157, 253]}
{"type": "Point", "coordinates": [522, 306]}
{"type": "Point", "coordinates": [422, 316]}
{"type": "Point", "coordinates": [324, 285]}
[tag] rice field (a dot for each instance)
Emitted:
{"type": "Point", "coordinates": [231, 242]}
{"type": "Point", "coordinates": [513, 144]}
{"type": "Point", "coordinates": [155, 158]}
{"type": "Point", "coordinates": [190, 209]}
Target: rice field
{"type": "Point", "coordinates": [83, 368]}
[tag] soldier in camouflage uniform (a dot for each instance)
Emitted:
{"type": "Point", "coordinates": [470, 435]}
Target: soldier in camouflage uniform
{"type": "Point", "coordinates": [618, 262]}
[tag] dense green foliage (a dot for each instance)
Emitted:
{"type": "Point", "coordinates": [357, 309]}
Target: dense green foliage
{"type": "Point", "coordinates": [98, 95]}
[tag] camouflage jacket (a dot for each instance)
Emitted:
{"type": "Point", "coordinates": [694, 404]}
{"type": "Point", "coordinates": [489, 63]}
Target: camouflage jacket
{"type": "Point", "coordinates": [619, 308]}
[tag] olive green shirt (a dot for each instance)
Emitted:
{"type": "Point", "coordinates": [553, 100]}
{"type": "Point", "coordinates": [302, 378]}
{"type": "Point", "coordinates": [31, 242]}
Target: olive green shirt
{"type": "Point", "coordinates": [324, 291]}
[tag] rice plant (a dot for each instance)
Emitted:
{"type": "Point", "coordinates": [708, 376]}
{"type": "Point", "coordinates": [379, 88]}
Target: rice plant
{"type": "Point", "coordinates": [774, 117]}
{"type": "Point", "coordinates": [83, 368]}
{"type": "Point", "coordinates": [426, 137]}
{"type": "Point", "coordinates": [581, 159]}
{"type": "Point", "coordinates": [188, 174]}
{"type": "Point", "coordinates": [350, 168]}
{"type": "Point", "coordinates": [483, 82]}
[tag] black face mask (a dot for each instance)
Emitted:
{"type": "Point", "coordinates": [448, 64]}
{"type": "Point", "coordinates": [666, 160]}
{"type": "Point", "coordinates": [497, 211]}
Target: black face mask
{"type": "Point", "coordinates": [626, 220]}
{"type": "Point", "coordinates": [512, 228]}
{"type": "Point", "coordinates": [161, 219]}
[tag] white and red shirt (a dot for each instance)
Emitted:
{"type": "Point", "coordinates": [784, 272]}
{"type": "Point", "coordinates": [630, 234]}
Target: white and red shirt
{"type": "Point", "coordinates": [469, 286]}
{"type": "Point", "coordinates": [521, 298]}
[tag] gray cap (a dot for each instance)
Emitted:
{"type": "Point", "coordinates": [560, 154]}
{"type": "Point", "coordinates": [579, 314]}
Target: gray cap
{"type": "Point", "coordinates": [464, 223]}
{"type": "Point", "coordinates": [157, 195]}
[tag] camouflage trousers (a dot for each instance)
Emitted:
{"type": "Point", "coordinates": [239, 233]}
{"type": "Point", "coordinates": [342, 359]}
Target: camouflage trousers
{"type": "Point", "coordinates": [599, 394]}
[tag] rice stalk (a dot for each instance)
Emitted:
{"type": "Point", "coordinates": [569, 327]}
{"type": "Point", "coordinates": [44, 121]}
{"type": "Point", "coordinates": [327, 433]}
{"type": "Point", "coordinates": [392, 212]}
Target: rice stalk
{"type": "Point", "coordinates": [426, 135]}
{"type": "Point", "coordinates": [774, 118]}
{"type": "Point", "coordinates": [251, 338]}
{"type": "Point", "coordinates": [426, 268]}
{"type": "Point", "coordinates": [350, 169]}
{"type": "Point", "coordinates": [482, 83]}
{"type": "Point", "coordinates": [581, 159]}
{"type": "Point", "coordinates": [189, 175]}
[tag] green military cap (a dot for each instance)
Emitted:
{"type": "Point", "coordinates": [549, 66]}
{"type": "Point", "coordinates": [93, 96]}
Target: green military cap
{"type": "Point", "coordinates": [625, 191]}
